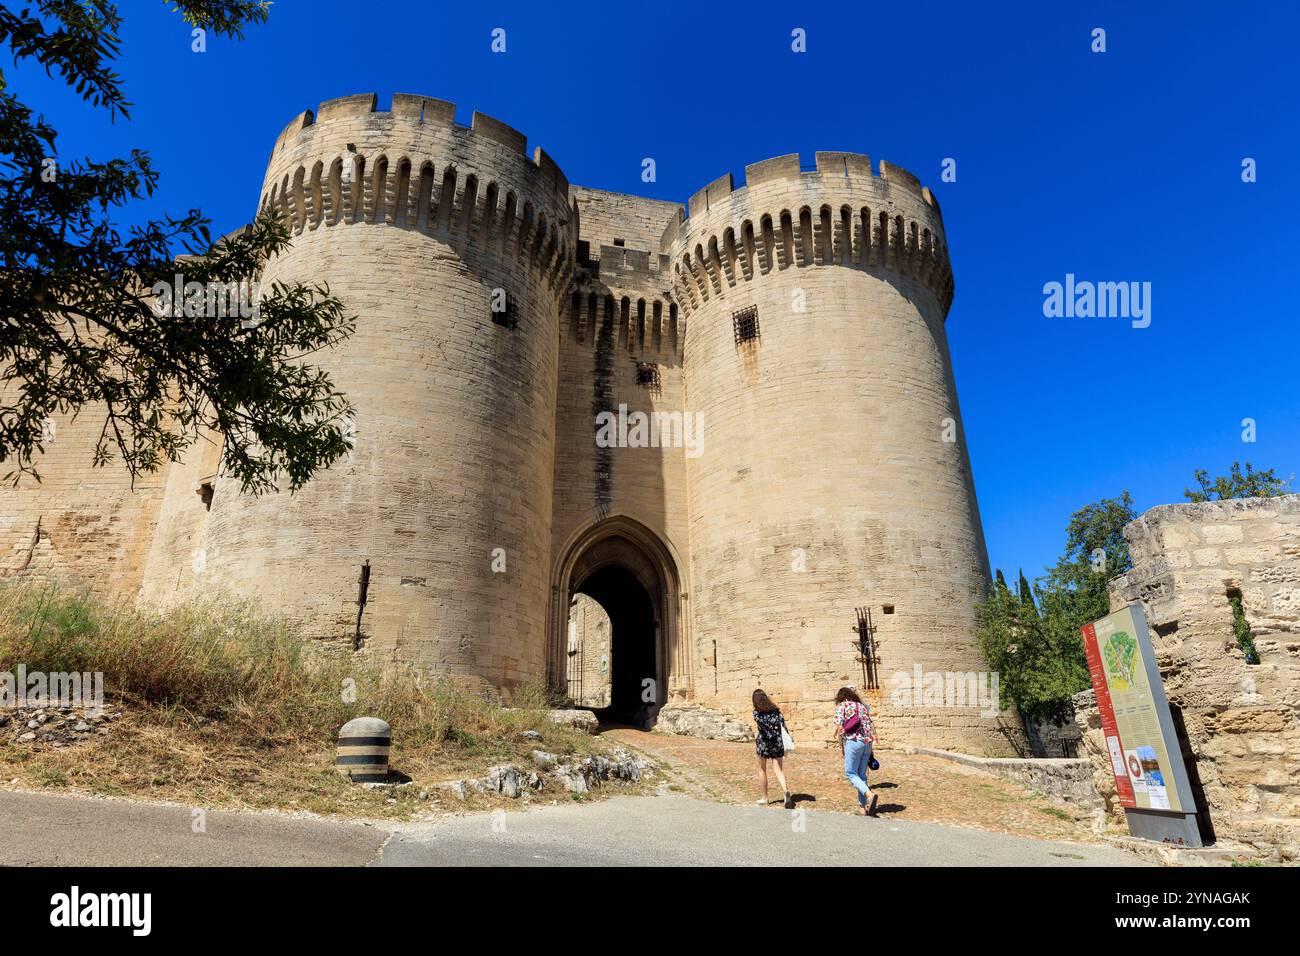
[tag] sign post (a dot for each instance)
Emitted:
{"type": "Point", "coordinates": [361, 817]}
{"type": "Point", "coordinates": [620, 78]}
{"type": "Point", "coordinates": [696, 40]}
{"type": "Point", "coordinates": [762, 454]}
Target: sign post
{"type": "Point", "coordinates": [1151, 779]}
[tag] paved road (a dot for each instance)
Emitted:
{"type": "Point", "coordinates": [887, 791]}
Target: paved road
{"type": "Point", "coordinates": [676, 830]}
{"type": "Point", "coordinates": [654, 830]}
{"type": "Point", "coordinates": [38, 829]}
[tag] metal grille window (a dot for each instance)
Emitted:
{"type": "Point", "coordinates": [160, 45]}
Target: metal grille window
{"type": "Point", "coordinates": [503, 310]}
{"type": "Point", "coordinates": [745, 324]}
{"type": "Point", "coordinates": [647, 374]}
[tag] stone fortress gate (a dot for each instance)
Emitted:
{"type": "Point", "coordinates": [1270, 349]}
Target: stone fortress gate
{"type": "Point", "coordinates": [782, 343]}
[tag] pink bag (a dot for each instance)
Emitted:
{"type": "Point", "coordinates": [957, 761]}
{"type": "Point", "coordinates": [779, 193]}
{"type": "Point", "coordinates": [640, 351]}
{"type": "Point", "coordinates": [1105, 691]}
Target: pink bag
{"type": "Point", "coordinates": [854, 723]}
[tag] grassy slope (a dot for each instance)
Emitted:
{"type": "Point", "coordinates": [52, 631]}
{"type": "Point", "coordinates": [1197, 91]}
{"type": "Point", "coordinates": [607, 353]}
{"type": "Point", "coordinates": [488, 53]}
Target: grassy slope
{"type": "Point", "coordinates": [227, 707]}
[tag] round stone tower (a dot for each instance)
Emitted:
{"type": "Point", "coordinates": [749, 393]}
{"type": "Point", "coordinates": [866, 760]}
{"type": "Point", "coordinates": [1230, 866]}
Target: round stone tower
{"type": "Point", "coordinates": [833, 474]}
{"type": "Point", "coordinates": [420, 226]}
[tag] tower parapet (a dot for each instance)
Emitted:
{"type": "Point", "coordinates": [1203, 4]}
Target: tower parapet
{"type": "Point", "coordinates": [839, 213]}
{"type": "Point", "coordinates": [414, 167]}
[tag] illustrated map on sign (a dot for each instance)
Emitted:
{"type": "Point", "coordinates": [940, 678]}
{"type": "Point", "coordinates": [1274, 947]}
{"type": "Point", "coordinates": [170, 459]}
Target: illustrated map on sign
{"type": "Point", "coordinates": [1120, 656]}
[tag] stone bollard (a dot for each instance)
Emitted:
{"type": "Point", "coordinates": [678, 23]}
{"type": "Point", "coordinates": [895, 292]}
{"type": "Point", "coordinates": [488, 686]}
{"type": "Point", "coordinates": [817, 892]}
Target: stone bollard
{"type": "Point", "coordinates": [364, 744]}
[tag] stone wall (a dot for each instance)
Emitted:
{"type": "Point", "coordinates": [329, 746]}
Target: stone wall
{"type": "Point", "coordinates": [1241, 722]}
{"type": "Point", "coordinates": [1067, 778]}
{"type": "Point", "coordinates": [589, 653]}
{"type": "Point", "coordinates": [617, 219]}
{"type": "Point", "coordinates": [1050, 740]}
{"type": "Point", "coordinates": [79, 524]}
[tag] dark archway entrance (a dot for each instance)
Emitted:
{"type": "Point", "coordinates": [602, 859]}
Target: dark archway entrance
{"type": "Point", "coordinates": [616, 603]}
{"type": "Point", "coordinates": [632, 670]}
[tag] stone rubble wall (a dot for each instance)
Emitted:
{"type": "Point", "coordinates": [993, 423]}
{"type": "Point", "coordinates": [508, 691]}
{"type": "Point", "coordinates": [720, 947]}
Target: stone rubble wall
{"type": "Point", "coordinates": [1068, 778]}
{"type": "Point", "coordinates": [575, 774]}
{"type": "Point", "coordinates": [1242, 726]}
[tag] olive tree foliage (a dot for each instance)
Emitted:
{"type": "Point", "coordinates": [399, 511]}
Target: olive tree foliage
{"type": "Point", "coordinates": [81, 329]}
{"type": "Point", "coordinates": [1237, 484]}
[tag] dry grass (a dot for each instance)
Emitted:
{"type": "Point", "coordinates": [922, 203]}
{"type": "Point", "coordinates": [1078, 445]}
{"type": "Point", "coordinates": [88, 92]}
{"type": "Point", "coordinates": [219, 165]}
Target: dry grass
{"type": "Point", "coordinates": [226, 706]}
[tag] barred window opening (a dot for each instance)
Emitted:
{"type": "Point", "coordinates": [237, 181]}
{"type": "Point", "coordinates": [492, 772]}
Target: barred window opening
{"type": "Point", "coordinates": [647, 375]}
{"type": "Point", "coordinates": [745, 325]}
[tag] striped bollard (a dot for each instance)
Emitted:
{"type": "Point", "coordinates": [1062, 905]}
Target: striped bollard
{"type": "Point", "coordinates": [364, 744]}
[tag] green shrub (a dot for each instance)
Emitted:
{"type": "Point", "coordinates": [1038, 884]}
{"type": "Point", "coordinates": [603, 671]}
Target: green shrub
{"type": "Point", "coordinates": [1241, 627]}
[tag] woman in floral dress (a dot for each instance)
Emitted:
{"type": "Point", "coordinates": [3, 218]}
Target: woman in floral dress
{"type": "Point", "coordinates": [769, 745]}
{"type": "Point", "coordinates": [857, 734]}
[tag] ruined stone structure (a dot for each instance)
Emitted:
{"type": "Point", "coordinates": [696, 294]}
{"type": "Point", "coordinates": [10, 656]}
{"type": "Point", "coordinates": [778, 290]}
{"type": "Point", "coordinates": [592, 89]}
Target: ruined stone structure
{"type": "Point", "coordinates": [803, 455]}
{"type": "Point", "coordinates": [1241, 726]}
{"type": "Point", "coordinates": [590, 650]}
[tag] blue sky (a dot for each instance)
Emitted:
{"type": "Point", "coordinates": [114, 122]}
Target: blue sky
{"type": "Point", "coordinates": [1117, 166]}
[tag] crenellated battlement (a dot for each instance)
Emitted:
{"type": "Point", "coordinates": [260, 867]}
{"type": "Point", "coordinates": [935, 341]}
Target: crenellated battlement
{"type": "Point", "coordinates": [838, 213]}
{"type": "Point", "coordinates": [421, 112]}
{"type": "Point", "coordinates": [638, 320]}
{"type": "Point", "coordinates": [414, 167]}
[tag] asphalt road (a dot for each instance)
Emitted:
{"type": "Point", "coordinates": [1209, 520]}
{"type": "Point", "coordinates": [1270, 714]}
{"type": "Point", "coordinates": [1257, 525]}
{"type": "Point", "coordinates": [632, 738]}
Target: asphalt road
{"type": "Point", "coordinates": [45, 829]}
{"type": "Point", "coordinates": [38, 829]}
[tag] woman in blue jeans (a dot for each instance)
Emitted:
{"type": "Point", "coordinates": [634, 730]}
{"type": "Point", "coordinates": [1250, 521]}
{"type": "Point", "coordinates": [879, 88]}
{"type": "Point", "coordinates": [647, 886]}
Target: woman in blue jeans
{"type": "Point", "coordinates": [857, 734]}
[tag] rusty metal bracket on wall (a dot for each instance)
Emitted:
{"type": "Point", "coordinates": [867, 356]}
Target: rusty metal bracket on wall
{"type": "Point", "coordinates": [363, 588]}
{"type": "Point", "coordinates": [865, 646]}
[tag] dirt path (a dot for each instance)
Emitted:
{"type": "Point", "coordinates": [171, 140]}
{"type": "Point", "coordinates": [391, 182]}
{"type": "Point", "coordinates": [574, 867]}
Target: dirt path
{"type": "Point", "coordinates": [912, 787]}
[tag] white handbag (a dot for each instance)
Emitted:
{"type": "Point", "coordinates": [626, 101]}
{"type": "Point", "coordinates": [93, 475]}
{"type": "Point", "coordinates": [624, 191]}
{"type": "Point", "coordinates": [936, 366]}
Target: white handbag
{"type": "Point", "coordinates": [786, 740]}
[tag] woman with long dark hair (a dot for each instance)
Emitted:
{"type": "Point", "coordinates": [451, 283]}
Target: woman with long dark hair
{"type": "Point", "coordinates": [857, 734]}
{"type": "Point", "coordinates": [769, 745]}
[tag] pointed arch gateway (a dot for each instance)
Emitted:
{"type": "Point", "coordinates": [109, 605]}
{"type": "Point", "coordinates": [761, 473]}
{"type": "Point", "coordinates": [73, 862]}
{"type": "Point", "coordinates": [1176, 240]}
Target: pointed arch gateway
{"type": "Point", "coordinates": [633, 574]}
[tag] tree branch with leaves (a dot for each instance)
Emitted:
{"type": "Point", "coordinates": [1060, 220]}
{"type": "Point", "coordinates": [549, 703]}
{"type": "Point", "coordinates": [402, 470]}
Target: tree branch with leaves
{"type": "Point", "coordinates": [81, 330]}
{"type": "Point", "coordinates": [1237, 484]}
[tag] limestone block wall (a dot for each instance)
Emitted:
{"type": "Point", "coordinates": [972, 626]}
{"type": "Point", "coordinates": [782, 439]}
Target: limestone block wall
{"type": "Point", "coordinates": [620, 345]}
{"type": "Point", "coordinates": [1242, 728]}
{"type": "Point", "coordinates": [176, 563]}
{"type": "Point", "coordinates": [826, 482]}
{"type": "Point", "coordinates": [80, 525]}
{"type": "Point", "coordinates": [607, 218]}
{"type": "Point", "coordinates": [589, 653]}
